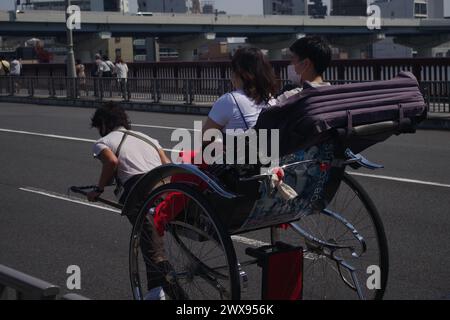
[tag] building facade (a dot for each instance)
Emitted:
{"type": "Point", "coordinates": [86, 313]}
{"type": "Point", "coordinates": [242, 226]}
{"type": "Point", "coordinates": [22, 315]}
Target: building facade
{"type": "Point", "coordinates": [348, 7]}
{"type": "Point", "coordinates": [169, 6]}
{"type": "Point", "coordinates": [407, 9]}
{"type": "Point", "coordinates": [284, 7]}
{"type": "Point", "coordinates": [85, 46]}
{"type": "Point", "coordinates": [85, 5]}
{"type": "Point", "coordinates": [208, 7]}
{"type": "Point", "coordinates": [317, 8]}
{"type": "Point", "coordinates": [411, 8]}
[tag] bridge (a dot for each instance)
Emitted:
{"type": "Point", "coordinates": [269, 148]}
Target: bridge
{"type": "Point", "coordinates": [188, 31]}
{"type": "Point", "coordinates": [53, 22]}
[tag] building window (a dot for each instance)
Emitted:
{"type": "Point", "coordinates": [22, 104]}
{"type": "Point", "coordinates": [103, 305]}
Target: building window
{"type": "Point", "coordinates": [420, 9]}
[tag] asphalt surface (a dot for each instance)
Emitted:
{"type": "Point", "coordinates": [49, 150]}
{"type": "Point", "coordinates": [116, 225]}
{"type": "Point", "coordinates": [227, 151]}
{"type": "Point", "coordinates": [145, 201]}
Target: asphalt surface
{"type": "Point", "coordinates": [42, 236]}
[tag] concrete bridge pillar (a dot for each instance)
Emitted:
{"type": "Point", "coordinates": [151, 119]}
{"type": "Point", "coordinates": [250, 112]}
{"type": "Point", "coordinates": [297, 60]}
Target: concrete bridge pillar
{"type": "Point", "coordinates": [274, 44]}
{"type": "Point", "coordinates": [185, 45]}
{"type": "Point", "coordinates": [87, 45]}
{"type": "Point", "coordinates": [354, 45]}
{"type": "Point", "coordinates": [423, 44]}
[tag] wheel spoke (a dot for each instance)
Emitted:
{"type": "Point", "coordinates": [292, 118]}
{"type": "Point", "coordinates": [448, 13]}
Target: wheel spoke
{"type": "Point", "coordinates": [194, 246]}
{"type": "Point", "coordinates": [322, 277]}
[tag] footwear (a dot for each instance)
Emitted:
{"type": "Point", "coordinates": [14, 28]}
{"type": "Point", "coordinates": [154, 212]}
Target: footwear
{"type": "Point", "coordinates": [170, 284]}
{"type": "Point", "coordinates": [155, 294]}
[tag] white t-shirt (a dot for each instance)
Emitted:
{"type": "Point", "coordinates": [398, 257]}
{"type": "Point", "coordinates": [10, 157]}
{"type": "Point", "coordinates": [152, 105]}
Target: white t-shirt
{"type": "Point", "coordinates": [285, 96]}
{"type": "Point", "coordinates": [16, 67]}
{"type": "Point", "coordinates": [135, 156]}
{"type": "Point", "coordinates": [122, 70]}
{"type": "Point", "coordinates": [226, 113]}
{"type": "Point", "coordinates": [111, 65]}
{"type": "Point", "coordinates": [103, 66]}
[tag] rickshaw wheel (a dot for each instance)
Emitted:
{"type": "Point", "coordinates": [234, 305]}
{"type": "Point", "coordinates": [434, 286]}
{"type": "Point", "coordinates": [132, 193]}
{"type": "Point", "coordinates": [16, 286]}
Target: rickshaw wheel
{"type": "Point", "coordinates": [350, 220]}
{"type": "Point", "coordinates": [194, 259]}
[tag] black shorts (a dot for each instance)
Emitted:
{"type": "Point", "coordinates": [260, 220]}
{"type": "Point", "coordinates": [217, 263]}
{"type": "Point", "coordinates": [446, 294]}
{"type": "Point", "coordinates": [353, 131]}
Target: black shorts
{"type": "Point", "coordinates": [128, 186]}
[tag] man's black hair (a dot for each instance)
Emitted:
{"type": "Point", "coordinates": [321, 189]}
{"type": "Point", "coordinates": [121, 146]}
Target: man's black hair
{"type": "Point", "coordinates": [112, 116]}
{"type": "Point", "coordinates": [316, 49]}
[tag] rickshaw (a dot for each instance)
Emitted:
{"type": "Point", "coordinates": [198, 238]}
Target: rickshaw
{"type": "Point", "coordinates": [328, 217]}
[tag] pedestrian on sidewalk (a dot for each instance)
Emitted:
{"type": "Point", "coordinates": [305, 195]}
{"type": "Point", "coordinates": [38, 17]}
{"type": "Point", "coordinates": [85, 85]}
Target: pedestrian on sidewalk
{"type": "Point", "coordinates": [4, 66]}
{"type": "Point", "coordinates": [16, 71]}
{"type": "Point", "coordinates": [111, 67]}
{"type": "Point", "coordinates": [103, 71]}
{"type": "Point", "coordinates": [81, 75]}
{"type": "Point", "coordinates": [122, 78]}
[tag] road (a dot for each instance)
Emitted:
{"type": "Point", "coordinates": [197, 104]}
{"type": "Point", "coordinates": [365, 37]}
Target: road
{"type": "Point", "coordinates": [42, 236]}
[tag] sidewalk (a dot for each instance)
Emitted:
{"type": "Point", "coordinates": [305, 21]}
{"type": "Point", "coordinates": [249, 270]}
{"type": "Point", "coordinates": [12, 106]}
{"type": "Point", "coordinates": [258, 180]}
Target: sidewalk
{"type": "Point", "coordinates": [436, 121]}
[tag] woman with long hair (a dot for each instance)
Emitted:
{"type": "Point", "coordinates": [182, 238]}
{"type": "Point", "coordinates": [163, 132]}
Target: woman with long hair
{"type": "Point", "coordinates": [254, 84]}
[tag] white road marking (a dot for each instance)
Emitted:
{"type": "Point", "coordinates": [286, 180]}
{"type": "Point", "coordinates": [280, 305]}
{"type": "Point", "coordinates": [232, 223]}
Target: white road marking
{"type": "Point", "coordinates": [69, 199]}
{"type": "Point", "coordinates": [162, 127]}
{"type": "Point", "coordinates": [46, 135]}
{"type": "Point", "coordinates": [54, 195]}
{"type": "Point", "coordinates": [428, 183]}
{"type": "Point", "coordinates": [54, 136]}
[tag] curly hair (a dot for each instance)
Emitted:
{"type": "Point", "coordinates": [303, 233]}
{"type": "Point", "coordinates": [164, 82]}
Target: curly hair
{"type": "Point", "coordinates": [112, 116]}
{"type": "Point", "coordinates": [256, 73]}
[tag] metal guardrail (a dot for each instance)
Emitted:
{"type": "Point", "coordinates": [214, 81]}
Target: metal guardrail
{"type": "Point", "coordinates": [424, 69]}
{"type": "Point", "coordinates": [15, 285]}
{"type": "Point", "coordinates": [188, 91]}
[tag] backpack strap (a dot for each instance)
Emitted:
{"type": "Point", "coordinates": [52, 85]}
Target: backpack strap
{"type": "Point", "coordinates": [127, 132]}
{"type": "Point", "coordinates": [240, 111]}
{"type": "Point", "coordinates": [124, 137]}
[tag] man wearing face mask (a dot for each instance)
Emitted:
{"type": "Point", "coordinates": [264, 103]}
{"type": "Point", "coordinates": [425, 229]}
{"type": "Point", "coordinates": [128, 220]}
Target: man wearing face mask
{"type": "Point", "coordinates": [310, 57]}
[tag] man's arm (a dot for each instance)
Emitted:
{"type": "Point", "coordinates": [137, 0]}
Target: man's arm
{"type": "Point", "coordinates": [110, 163]}
{"type": "Point", "coordinates": [163, 157]}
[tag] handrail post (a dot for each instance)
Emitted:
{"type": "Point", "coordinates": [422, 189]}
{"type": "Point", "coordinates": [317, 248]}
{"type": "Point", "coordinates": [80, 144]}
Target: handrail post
{"type": "Point", "coordinates": [158, 89]}
{"type": "Point", "coordinates": [185, 91]}
{"type": "Point", "coordinates": [12, 90]}
{"type": "Point", "coordinates": [417, 71]}
{"type": "Point", "coordinates": [31, 87]}
{"type": "Point", "coordinates": [52, 87]}
{"type": "Point", "coordinates": [101, 87]}
{"type": "Point", "coordinates": [376, 72]}
{"type": "Point", "coordinates": [341, 72]}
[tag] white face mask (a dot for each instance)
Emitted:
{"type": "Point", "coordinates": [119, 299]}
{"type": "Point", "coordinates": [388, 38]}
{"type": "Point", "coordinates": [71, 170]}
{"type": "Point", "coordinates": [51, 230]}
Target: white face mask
{"type": "Point", "coordinates": [292, 75]}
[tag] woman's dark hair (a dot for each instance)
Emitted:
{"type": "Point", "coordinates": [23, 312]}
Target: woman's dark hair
{"type": "Point", "coordinates": [316, 49]}
{"type": "Point", "coordinates": [256, 73]}
{"type": "Point", "coordinates": [78, 61]}
{"type": "Point", "coordinates": [112, 116]}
